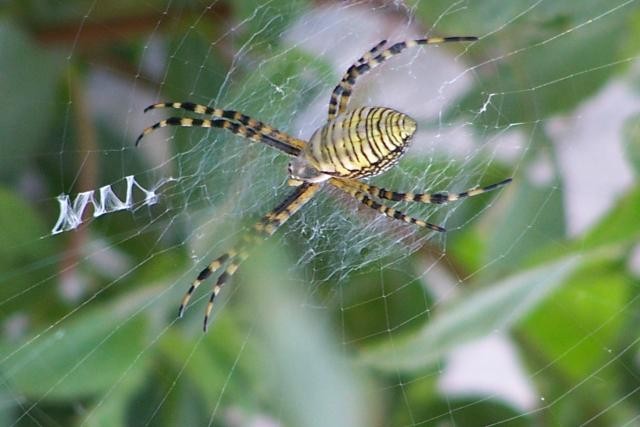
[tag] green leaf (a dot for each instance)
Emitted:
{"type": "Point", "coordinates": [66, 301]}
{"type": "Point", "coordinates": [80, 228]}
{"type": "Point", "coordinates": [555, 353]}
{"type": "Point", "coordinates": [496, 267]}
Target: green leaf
{"type": "Point", "coordinates": [314, 384]}
{"type": "Point", "coordinates": [198, 69]}
{"type": "Point", "coordinates": [265, 22]}
{"type": "Point", "coordinates": [207, 368]}
{"type": "Point", "coordinates": [7, 415]}
{"type": "Point", "coordinates": [631, 132]}
{"type": "Point", "coordinates": [498, 306]}
{"type": "Point", "coordinates": [25, 257]}
{"type": "Point", "coordinates": [533, 219]}
{"type": "Point", "coordinates": [82, 357]}
{"type": "Point", "coordinates": [620, 226]}
{"type": "Point", "coordinates": [112, 409]}
{"type": "Point", "coordinates": [585, 313]}
{"type": "Point", "coordinates": [524, 17]}
{"type": "Point", "coordinates": [282, 84]}
{"type": "Point", "coordinates": [523, 88]}
{"type": "Point", "coordinates": [20, 234]}
{"type": "Point", "coordinates": [612, 237]}
{"type": "Point", "coordinates": [28, 87]}
{"type": "Point", "coordinates": [573, 338]}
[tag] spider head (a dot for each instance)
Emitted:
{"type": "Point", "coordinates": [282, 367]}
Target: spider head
{"type": "Point", "coordinates": [301, 171]}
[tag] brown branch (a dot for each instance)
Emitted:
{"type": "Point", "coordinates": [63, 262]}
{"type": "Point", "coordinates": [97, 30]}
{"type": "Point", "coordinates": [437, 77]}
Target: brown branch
{"type": "Point", "coordinates": [90, 34]}
{"type": "Point", "coordinates": [88, 173]}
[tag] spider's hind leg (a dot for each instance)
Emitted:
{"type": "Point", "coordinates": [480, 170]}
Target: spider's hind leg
{"type": "Point", "coordinates": [438, 198]}
{"type": "Point", "coordinates": [214, 266]}
{"type": "Point", "coordinates": [351, 188]}
{"type": "Point", "coordinates": [268, 225]}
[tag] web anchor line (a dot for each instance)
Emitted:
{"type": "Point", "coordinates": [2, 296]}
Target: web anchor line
{"type": "Point", "coordinates": [104, 201]}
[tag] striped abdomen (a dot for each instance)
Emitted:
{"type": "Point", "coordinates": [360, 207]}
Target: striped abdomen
{"type": "Point", "coordinates": [360, 143]}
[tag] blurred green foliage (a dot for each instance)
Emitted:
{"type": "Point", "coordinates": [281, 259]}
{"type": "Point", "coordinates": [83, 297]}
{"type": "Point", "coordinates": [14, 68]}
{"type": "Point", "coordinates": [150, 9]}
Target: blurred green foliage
{"type": "Point", "coordinates": [366, 350]}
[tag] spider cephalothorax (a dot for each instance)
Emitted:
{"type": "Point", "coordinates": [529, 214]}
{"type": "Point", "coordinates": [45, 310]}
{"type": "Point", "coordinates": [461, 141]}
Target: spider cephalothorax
{"type": "Point", "coordinates": [352, 145]}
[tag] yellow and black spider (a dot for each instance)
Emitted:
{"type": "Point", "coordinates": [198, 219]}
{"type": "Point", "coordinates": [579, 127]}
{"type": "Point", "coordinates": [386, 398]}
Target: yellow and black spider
{"type": "Point", "coordinates": [353, 144]}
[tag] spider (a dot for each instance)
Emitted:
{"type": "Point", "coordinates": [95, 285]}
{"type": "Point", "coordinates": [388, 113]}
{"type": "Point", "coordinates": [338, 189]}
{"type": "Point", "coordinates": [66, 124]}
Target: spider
{"type": "Point", "coordinates": [351, 145]}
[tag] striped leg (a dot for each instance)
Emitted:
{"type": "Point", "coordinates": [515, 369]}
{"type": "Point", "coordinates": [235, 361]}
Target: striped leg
{"type": "Point", "coordinates": [368, 56]}
{"type": "Point", "coordinates": [236, 128]}
{"type": "Point", "coordinates": [385, 210]}
{"type": "Point", "coordinates": [342, 92]}
{"type": "Point", "coordinates": [264, 228]}
{"type": "Point", "coordinates": [217, 113]}
{"type": "Point", "coordinates": [372, 53]}
{"type": "Point", "coordinates": [435, 198]}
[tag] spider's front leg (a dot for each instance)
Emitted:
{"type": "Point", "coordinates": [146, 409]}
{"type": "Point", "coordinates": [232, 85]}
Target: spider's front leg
{"type": "Point", "coordinates": [370, 60]}
{"type": "Point", "coordinates": [233, 121]}
{"type": "Point", "coordinates": [268, 225]}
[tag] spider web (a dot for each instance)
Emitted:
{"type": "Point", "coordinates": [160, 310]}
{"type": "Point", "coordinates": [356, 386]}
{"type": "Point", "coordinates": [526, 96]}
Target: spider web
{"type": "Point", "coordinates": [522, 313]}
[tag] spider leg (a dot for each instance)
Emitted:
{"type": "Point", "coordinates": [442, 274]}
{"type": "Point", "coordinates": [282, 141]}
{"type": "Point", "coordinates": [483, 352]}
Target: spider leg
{"type": "Point", "coordinates": [266, 227]}
{"type": "Point", "coordinates": [371, 53]}
{"type": "Point", "coordinates": [435, 198]}
{"type": "Point", "coordinates": [238, 129]}
{"type": "Point", "coordinates": [383, 209]}
{"type": "Point", "coordinates": [217, 113]}
{"type": "Point", "coordinates": [342, 92]}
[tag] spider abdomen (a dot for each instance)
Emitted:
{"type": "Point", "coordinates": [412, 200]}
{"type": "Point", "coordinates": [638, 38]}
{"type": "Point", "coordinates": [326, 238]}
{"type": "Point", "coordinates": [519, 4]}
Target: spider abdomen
{"type": "Point", "coordinates": [360, 143]}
